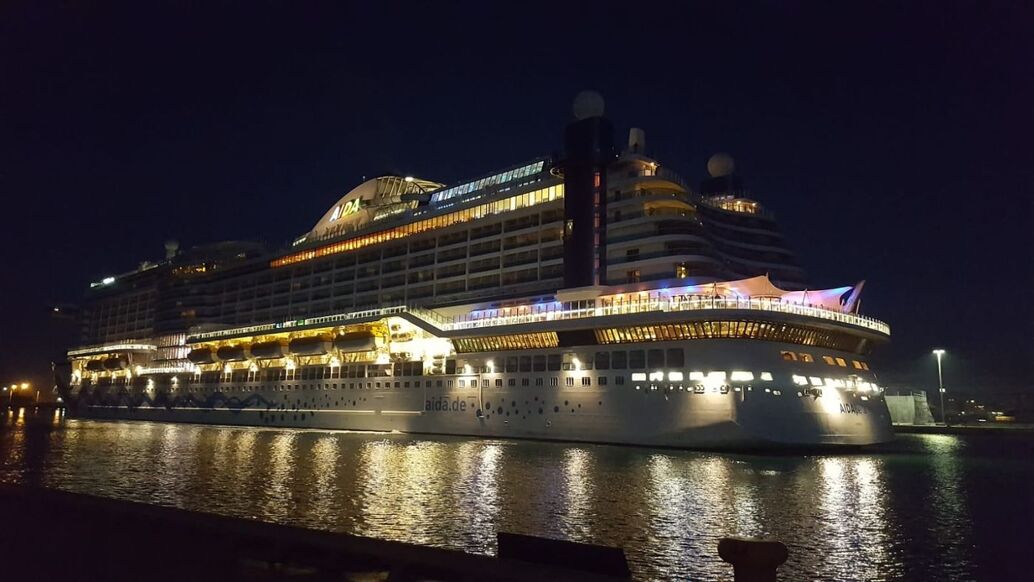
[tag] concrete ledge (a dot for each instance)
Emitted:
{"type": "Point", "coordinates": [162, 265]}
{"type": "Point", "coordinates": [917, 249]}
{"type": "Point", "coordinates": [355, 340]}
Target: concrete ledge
{"type": "Point", "coordinates": [51, 534]}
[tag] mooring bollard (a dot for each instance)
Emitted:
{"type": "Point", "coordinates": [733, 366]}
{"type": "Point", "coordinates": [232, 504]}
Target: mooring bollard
{"type": "Point", "coordinates": [752, 560]}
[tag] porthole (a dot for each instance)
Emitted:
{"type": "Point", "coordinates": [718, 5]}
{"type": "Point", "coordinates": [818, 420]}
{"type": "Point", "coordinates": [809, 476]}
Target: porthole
{"type": "Point", "coordinates": [556, 409]}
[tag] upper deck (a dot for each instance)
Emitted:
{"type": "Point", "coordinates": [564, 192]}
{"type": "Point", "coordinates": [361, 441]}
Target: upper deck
{"type": "Point", "coordinates": [503, 319]}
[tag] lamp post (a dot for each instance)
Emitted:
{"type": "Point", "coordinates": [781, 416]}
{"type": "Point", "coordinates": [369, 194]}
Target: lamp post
{"type": "Point", "coordinates": [940, 385]}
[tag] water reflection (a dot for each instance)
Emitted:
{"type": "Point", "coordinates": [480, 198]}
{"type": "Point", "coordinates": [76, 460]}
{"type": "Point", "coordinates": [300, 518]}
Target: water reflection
{"type": "Point", "coordinates": [578, 492]}
{"type": "Point", "coordinates": [950, 523]}
{"type": "Point", "coordinates": [858, 517]}
{"type": "Point", "coordinates": [278, 498]}
{"type": "Point", "coordinates": [476, 493]}
{"type": "Point", "coordinates": [324, 477]}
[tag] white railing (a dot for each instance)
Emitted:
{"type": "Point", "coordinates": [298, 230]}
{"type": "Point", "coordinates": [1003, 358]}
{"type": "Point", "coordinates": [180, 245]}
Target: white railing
{"type": "Point", "coordinates": [102, 349]}
{"type": "Point", "coordinates": [550, 312]}
{"type": "Point", "coordinates": [173, 369]}
{"type": "Point", "coordinates": [694, 303]}
{"type": "Point", "coordinates": [286, 325]}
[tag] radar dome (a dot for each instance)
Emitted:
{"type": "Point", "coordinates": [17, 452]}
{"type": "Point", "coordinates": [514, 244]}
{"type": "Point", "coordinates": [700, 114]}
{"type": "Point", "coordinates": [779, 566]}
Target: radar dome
{"type": "Point", "coordinates": [720, 164]}
{"type": "Point", "coordinates": [171, 248]}
{"type": "Point", "coordinates": [588, 104]}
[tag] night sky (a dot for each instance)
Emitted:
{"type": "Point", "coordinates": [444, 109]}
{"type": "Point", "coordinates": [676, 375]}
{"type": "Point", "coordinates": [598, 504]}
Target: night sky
{"type": "Point", "coordinates": [894, 145]}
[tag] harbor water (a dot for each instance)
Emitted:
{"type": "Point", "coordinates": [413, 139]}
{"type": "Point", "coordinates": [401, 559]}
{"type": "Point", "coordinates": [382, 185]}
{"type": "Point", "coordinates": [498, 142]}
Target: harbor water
{"type": "Point", "coordinates": [924, 507]}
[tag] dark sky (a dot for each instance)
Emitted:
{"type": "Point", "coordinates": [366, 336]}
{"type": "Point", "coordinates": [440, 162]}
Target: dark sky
{"type": "Point", "coordinates": [893, 143]}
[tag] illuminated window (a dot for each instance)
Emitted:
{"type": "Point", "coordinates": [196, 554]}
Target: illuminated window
{"type": "Point", "coordinates": [438, 222]}
{"type": "Point", "coordinates": [781, 332]}
{"type": "Point", "coordinates": [829, 360]}
{"type": "Point", "coordinates": [788, 356]}
{"type": "Point", "coordinates": [841, 362]}
{"type": "Point", "coordinates": [857, 364]}
{"type": "Point", "coordinates": [508, 342]}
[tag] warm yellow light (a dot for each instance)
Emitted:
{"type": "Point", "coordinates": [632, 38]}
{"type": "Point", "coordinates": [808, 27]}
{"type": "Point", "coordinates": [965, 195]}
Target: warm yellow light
{"type": "Point", "coordinates": [25, 385]}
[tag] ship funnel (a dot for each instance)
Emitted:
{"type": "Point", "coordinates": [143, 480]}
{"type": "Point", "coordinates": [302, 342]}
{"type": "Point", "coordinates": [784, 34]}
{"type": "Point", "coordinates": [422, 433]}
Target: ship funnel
{"type": "Point", "coordinates": [636, 140]}
{"type": "Point", "coordinates": [588, 150]}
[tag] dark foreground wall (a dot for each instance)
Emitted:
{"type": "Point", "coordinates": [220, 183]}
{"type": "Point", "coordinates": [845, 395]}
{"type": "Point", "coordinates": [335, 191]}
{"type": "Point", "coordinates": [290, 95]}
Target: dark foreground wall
{"type": "Point", "coordinates": [53, 535]}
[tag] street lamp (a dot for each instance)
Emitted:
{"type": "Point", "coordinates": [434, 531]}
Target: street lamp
{"type": "Point", "coordinates": [940, 384]}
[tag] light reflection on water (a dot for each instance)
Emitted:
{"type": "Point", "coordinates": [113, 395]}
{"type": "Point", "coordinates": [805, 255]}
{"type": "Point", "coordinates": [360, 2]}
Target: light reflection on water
{"type": "Point", "coordinates": [898, 514]}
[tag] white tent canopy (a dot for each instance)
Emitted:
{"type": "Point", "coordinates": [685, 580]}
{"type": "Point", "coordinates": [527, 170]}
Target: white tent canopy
{"type": "Point", "coordinates": [843, 299]}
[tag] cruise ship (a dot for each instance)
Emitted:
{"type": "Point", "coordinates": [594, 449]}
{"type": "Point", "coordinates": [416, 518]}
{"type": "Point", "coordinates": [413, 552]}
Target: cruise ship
{"type": "Point", "coordinates": [590, 296]}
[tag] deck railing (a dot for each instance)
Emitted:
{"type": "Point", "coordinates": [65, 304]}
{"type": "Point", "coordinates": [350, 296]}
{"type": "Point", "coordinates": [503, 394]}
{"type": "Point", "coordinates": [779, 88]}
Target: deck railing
{"type": "Point", "coordinates": [557, 312]}
{"type": "Point", "coordinates": [693, 303]}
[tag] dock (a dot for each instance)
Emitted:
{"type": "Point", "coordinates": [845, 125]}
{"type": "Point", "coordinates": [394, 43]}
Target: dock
{"type": "Point", "coordinates": [55, 535]}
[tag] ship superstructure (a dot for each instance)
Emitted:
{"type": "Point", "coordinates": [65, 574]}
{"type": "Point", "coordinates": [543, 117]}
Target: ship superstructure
{"type": "Point", "coordinates": [595, 297]}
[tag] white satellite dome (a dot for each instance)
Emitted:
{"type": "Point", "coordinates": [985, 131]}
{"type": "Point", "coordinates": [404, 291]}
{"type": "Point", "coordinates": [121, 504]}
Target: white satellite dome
{"type": "Point", "coordinates": [588, 104]}
{"type": "Point", "coordinates": [720, 164]}
{"type": "Point", "coordinates": [172, 247]}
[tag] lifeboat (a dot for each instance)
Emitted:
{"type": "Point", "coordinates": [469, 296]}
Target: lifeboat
{"type": "Point", "coordinates": [231, 354]}
{"type": "Point", "coordinates": [201, 356]}
{"type": "Point", "coordinates": [360, 341]}
{"type": "Point", "coordinates": [266, 350]}
{"type": "Point", "coordinates": [116, 363]}
{"type": "Point", "coordinates": [95, 365]}
{"type": "Point", "coordinates": [309, 346]}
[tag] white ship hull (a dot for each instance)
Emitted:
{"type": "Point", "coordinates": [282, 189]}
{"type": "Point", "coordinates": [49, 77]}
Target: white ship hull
{"type": "Point", "coordinates": [737, 415]}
